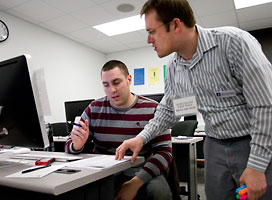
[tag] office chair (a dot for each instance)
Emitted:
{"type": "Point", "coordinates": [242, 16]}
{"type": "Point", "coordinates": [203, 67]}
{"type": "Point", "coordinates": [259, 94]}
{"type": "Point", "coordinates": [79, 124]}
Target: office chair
{"type": "Point", "coordinates": [183, 128]}
{"type": "Point", "coordinates": [59, 129]}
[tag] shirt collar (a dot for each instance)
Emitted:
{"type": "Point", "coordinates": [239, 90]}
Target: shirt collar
{"type": "Point", "coordinates": [206, 39]}
{"type": "Point", "coordinates": [205, 42]}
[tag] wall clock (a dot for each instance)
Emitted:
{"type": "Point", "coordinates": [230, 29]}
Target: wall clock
{"type": "Point", "coordinates": [4, 32]}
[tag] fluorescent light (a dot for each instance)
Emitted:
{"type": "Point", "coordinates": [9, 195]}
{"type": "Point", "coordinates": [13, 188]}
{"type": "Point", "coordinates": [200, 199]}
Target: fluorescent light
{"type": "Point", "coordinates": [121, 26]}
{"type": "Point", "coordinates": [247, 3]}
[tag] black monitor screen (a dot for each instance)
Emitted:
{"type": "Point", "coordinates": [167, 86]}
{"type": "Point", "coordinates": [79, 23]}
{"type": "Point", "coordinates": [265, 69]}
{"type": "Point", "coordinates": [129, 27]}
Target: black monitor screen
{"type": "Point", "coordinates": [74, 109]}
{"type": "Point", "coordinates": [156, 97]}
{"type": "Point", "coordinates": [20, 121]}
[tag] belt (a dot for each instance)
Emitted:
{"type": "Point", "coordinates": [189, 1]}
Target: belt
{"type": "Point", "coordinates": [232, 140]}
{"type": "Point", "coordinates": [236, 139]}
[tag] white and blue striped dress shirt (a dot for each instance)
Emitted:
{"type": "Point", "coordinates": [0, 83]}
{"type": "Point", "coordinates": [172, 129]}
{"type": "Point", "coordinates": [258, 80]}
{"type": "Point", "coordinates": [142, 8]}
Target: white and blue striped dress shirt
{"type": "Point", "coordinates": [228, 60]}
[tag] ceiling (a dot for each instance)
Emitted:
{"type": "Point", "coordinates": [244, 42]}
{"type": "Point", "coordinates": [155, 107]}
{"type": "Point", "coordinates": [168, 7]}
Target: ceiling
{"type": "Point", "coordinates": [74, 18]}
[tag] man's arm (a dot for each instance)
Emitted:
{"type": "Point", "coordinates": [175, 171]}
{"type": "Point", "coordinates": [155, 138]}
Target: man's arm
{"type": "Point", "coordinates": [160, 159]}
{"type": "Point", "coordinates": [134, 144]}
{"type": "Point", "coordinates": [255, 72]}
{"type": "Point", "coordinates": [78, 138]}
{"type": "Point", "coordinates": [129, 189]}
{"type": "Point", "coordinates": [163, 120]}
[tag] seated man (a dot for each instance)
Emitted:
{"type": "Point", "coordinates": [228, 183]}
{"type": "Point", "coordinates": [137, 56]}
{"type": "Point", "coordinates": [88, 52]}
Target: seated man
{"type": "Point", "coordinates": [118, 116]}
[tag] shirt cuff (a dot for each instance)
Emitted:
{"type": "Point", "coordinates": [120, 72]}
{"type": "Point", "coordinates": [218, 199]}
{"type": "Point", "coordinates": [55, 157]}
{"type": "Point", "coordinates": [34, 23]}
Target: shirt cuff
{"type": "Point", "coordinates": [144, 135]}
{"type": "Point", "coordinates": [73, 150]}
{"type": "Point", "coordinates": [144, 176]}
{"type": "Point", "coordinates": [258, 162]}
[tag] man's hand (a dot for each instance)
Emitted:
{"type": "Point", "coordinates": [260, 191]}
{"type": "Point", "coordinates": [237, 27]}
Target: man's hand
{"type": "Point", "coordinates": [80, 135]}
{"type": "Point", "coordinates": [129, 189]}
{"type": "Point", "coordinates": [255, 182]}
{"type": "Point", "coordinates": [134, 144]}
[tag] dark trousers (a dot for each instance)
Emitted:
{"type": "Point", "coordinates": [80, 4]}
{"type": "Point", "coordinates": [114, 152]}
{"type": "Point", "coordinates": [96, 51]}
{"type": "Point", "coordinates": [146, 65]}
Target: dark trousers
{"type": "Point", "coordinates": [225, 161]}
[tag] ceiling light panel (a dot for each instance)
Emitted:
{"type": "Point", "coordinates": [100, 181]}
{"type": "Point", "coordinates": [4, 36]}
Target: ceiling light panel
{"type": "Point", "coordinates": [248, 3]}
{"type": "Point", "coordinates": [121, 26]}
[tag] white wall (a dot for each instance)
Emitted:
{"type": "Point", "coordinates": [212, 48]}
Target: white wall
{"type": "Point", "coordinates": [142, 58]}
{"type": "Point", "coordinates": [72, 70]}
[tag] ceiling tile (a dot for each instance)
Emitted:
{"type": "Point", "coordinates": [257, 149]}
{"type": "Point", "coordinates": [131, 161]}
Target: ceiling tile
{"type": "Point", "coordinates": [93, 16]}
{"type": "Point", "coordinates": [65, 24]}
{"type": "Point", "coordinates": [3, 8]}
{"type": "Point", "coordinates": [11, 4]}
{"type": "Point", "coordinates": [107, 43]}
{"type": "Point", "coordinates": [87, 34]}
{"type": "Point", "coordinates": [138, 44]}
{"type": "Point", "coordinates": [126, 38]}
{"type": "Point", "coordinates": [256, 24]}
{"type": "Point", "coordinates": [38, 10]}
{"type": "Point", "coordinates": [69, 6]}
{"type": "Point", "coordinates": [254, 13]}
{"type": "Point", "coordinates": [222, 19]}
{"type": "Point", "coordinates": [99, 2]}
{"type": "Point", "coordinates": [211, 7]}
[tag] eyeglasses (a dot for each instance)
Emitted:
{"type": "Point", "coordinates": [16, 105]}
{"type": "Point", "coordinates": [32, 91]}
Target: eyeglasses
{"type": "Point", "coordinates": [151, 32]}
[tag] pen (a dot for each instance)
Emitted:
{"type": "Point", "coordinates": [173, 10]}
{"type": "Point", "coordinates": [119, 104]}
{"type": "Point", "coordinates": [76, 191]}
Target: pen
{"type": "Point", "coordinates": [73, 123]}
{"type": "Point", "coordinates": [34, 169]}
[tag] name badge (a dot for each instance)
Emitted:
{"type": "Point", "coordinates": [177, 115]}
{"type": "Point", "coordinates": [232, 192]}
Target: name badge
{"type": "Point", "coordinates": [225, 94]}
{"type": "Point", "coordinates": [185, 106]}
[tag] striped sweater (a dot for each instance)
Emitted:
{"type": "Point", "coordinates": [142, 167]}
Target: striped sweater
{"type": "Point", "coordinates": [110, 126]}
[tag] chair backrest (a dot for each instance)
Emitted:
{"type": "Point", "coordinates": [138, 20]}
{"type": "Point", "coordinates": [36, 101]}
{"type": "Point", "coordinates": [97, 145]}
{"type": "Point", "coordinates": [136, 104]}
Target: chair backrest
{"type": "Point", "coordinates": [59, 129]}
{"type": "Point", "coordinates": [185, 128]}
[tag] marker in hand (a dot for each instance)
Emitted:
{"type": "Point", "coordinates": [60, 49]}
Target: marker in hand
{"type": "Point", "coordinates": [241, 192]}
{"type": "Point", "coordinates": [73, 123]}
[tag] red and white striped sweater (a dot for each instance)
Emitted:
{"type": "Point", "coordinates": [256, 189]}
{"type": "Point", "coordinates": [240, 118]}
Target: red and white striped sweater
{"type": "Point", "coordinates": [110, 126]}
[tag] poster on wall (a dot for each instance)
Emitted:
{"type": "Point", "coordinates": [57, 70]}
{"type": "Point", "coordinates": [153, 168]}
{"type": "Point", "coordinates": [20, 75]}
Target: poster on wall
{"type": "Point", "coordinates": [164, 68]}
{"type": "Point", "coordinates": [139, 76]}
{"type": "Point", "coordinates": [153, 75]}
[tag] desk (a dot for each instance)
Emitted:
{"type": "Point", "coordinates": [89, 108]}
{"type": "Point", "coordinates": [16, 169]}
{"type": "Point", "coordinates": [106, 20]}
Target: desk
{"type": "Point", "coordinates": [86, 184]}
{"type": "Point", "coordinates": [185, 149]}
{"type": "Point", "coordinates": [199, 146]}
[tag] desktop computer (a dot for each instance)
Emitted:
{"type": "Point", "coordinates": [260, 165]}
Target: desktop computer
{"type": "Point", "coordinates": [21, 117]}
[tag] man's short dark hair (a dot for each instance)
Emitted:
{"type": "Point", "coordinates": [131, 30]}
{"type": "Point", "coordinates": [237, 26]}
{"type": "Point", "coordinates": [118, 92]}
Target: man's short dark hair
{"type": "Point", "coordinates": [115, 63]}
{"type": "Point", "coordinates": [167, 10]}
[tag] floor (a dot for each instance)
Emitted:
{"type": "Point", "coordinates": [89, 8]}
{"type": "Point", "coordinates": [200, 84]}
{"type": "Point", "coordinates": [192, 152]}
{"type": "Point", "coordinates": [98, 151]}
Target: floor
{"type": "Point", "coordinates": [200, 185]}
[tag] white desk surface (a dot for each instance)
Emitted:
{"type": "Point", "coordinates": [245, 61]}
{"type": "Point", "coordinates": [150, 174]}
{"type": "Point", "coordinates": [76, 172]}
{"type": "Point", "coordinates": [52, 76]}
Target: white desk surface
{"type": "Point", "coordinates": [57, 183]}
{"type": "Point", "coordinates": [189, 140]}
{"type": "Point", "coordinates": [60, 138]}
{"type": "Point", "coordinates": [201, 133]}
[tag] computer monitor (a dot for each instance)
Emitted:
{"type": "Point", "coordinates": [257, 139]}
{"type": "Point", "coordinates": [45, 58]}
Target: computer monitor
{"type": "Point", "coordinates": [74, 109]}
{"type": "Point", "coordinates": [21, 120]}
{"type": "Point", "coordinates": [156, 97]}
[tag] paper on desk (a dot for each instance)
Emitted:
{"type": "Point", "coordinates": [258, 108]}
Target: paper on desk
{"type": "Point", "coordinates": [52, 155]}
{"type": "Point", "coordinates": [36, 174]}
{"type": "Point", "coordinates": [97, 162]}
{"type": "Point", "coordinates": [181, 137]}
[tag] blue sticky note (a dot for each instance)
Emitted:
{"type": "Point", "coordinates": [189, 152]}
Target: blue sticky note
{"type": "Point", "coordinates": [139, 76]}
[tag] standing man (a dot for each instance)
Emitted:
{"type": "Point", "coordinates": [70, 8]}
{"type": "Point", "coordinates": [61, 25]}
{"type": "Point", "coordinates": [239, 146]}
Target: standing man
{"type": "Point", "coordinates": [225, 70]}
{"type": "Point", "coordinates": [118, 116]}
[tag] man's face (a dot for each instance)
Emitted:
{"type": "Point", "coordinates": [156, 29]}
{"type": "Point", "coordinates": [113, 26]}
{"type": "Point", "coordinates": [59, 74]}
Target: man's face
{"type": "Point", "coordinates": [117, 87]}
{"type": "Point", "coordinates": [158, 36]}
